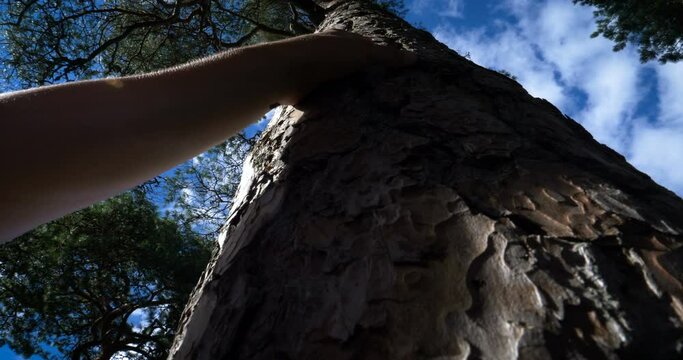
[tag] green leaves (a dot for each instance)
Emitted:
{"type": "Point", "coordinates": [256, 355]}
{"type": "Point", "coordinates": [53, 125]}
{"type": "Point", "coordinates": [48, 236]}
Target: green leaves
{"type": "Point", "coordinates": [49, 42]}
{"type": "Point", "coordinates": [74, 283]}
{"type": "Point", "coordinates": [655, 26]}
{"type": "Point", "coordinates": [199, 193]}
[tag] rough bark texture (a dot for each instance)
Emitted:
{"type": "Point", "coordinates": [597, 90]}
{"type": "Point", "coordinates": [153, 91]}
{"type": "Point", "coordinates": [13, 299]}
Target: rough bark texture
{"type": "Point", "coordinates": [438, 212]}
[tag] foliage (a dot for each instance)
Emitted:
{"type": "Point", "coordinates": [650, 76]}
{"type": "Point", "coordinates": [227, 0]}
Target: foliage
{"type": "Point", "coordinates": [506, 73]}
{"type": "Point", "coordinates": [655, 26]}
{"type": "Point", "coordinates": [200, 191]}
{"type": "Point", "coordinates": [77, 283]}
{"type": "Point", "coordinates": [49, 41]}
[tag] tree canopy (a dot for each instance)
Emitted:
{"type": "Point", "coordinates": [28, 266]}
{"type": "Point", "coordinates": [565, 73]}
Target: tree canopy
{"type": "Point", "coordinates": [655, 26]}
{"type": "Point", "coordinates": [46, 41]}
{"type": "Point", "coordinates": [199, 193]}
{"type": "Point", "coordinates": [50, 41]}
{"type": "Point", "coordinates": [112, 278]}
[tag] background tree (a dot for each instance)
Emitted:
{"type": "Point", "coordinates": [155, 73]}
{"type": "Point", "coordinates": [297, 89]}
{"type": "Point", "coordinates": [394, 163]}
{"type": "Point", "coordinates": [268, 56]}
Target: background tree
{"type": "Point", "coordinates": [656, 26]}
{"type": "Point", "coordinates": [199, 193]}
{"type": "Point", "coordinates": [51, 41]}
{"type": "Point", "coordinates": [55, 41]}
{"type": "Point", "coordinates": [112, 278]}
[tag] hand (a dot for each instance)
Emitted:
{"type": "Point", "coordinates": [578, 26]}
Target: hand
{"type": "Point", "coordinates": [313, 59]}
{"type": "Point", "coordinates": [93, 139]}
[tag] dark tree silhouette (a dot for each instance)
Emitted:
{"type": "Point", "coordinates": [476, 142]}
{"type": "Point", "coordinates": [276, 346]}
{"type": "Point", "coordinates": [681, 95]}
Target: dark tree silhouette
{"type": "Point", "coordinates": [80, 283]}
{"type": "Point", "coordinates": [655, 27]}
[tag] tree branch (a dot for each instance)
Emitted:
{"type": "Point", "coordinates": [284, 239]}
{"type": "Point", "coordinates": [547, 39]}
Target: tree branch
{"type": "Point", "coordinates": [108, 10]}
{"type": "Point", "coordinates": [315, 12]}
{"type": "Point", "coordinates": [134, 349]}
{"type": "Point", "coordinates": [20, 18]}
{"type": "Point", "coordinates": [253, 22]}
{"type": "Point", "coordinates": [76, 352]}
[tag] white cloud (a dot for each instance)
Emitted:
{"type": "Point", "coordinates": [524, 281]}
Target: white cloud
{"type": "Point", "coordinates": [611, 85]}
{"type": "Point", "coordinates": [448, 8]}
{"type": "Point", "coordinates": [454, 8]}
{"type": "Point", "coordinates": [560, 31]}
{"type": "Point", "coordinates": [187, 193]}
{"type": "Point", "coordinates": [197, 159]}
{"type": "Point", "coordinates": [418, 6]}
{"type": "Point", "coordinates": [139, 319]}
{"type": "Point", "coordinates": [657, 147]}
{"type": "Point", "coordinates": [507, 50]}
{"type": "Point", "coordinates": [658, 151]}
{"type": "Point", "coordinates": [609, 80]}
{"type": "Point", "coordinates": [670, 81]}
{"type": "Point", "coordinates": [549, 49]}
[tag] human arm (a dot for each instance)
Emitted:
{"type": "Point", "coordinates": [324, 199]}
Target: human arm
{"type": "Point", "coordinates": [67, 146]}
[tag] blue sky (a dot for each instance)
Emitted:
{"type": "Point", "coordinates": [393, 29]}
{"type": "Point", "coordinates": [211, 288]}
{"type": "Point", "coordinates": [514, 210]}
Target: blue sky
{"type": "Point", "coordinates": [634, 108]}
{"type": "Point", "coordinates": [7, 354]}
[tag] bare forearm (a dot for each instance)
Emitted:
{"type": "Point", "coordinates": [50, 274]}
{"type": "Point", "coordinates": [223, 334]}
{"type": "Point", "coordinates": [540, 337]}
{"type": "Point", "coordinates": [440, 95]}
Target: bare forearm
{"type": "Point", "coordinates": [67, 146]}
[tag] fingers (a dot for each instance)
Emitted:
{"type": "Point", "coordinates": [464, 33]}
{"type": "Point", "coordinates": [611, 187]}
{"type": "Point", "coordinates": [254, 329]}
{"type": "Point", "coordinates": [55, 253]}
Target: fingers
{"type": "Point", "coordinates": [375, 54]}
{"type": "Point", "coordinates": [316, 58]}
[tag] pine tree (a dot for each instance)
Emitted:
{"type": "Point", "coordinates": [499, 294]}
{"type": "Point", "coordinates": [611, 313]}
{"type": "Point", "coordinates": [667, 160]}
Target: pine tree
{"type": "Point", "coordinates": [431, 212]}
{"type": "Point", "coordinates": [656, 27]}
{"type": "Point", "coordinates": [108, 280]}
{"type": "Point", "coordinates": [438, 212]}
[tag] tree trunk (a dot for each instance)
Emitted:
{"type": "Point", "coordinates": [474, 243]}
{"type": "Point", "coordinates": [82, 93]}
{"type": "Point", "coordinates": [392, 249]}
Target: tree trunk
{"type": "Point", "coordinates": [438, 212]}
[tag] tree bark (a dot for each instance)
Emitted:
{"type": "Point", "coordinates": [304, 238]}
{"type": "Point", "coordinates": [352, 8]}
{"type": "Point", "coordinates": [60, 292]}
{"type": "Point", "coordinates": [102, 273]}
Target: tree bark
{"type": "Point", "coordinates": [438, 212]}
